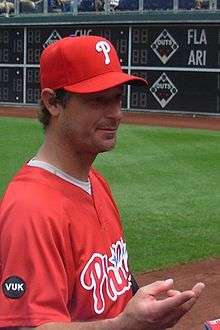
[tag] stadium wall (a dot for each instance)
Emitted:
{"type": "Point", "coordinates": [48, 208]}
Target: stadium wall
{"type": "Point", "coordinates": [177, 52]}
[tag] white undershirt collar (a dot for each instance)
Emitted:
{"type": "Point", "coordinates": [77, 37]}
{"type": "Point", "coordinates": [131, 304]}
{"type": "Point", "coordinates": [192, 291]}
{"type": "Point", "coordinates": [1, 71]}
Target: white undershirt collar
{"type": "Point", "coordinates": [85, 185]}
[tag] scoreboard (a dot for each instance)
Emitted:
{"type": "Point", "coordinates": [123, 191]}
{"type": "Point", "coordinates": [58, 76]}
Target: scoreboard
{"type": "Point", "coordinates": [180, 61]}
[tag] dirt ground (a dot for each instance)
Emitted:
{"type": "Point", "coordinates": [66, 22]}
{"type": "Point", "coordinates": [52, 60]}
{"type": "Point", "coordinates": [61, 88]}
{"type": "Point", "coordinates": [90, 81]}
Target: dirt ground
{"type": "Point", "coordinates": [186, 275]}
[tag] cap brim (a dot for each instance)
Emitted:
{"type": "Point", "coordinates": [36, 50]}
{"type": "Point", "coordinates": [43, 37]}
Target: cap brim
{"type": "Point", "coordinates": [104, 81]}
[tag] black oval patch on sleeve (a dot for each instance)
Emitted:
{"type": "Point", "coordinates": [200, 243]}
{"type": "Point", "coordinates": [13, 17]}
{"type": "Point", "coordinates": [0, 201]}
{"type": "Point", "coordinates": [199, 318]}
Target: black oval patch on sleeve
{"type": "Point", "coordinates": [14, 287]}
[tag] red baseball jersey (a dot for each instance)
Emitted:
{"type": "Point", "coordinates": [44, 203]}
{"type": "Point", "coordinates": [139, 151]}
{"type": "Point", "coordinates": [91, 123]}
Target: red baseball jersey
{"type": "Point", "coordinates": [62, 253]}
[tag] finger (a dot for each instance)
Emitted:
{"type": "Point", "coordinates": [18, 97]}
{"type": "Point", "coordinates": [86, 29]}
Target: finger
{"type": "Point", "coordinates": [175, 316]}
{"type": "Point", "coordinates": [172, 293]}
{"type": "Point", "coordinates": [180, 303]}
{"type": "Point", "coordinates": [198, 288]}
{"type": "Point", "coordinates": [156, 288]}
{"type": "Point", "coordinates": [172, 304]}
{"type": "Point", "coordinates": [180, 298]}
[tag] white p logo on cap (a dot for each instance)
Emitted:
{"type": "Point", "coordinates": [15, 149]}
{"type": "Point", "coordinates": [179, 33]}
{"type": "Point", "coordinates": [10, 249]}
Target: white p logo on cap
{"type": "Point", "coordinates": [103, 46]}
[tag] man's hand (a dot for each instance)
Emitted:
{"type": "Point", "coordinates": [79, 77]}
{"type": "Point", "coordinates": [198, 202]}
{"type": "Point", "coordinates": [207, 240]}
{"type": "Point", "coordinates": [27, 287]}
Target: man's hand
{"type": "Point", "coordinates": [147, 311]}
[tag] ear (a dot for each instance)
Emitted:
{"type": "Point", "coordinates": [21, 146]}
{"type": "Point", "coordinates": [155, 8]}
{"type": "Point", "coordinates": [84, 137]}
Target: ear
{"type": "Point", "coordinates": [48, 97]}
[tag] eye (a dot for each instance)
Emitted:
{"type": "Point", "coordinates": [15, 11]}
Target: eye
{"type": "Point", "coordinates": [97, 101]}
{"type": "Point", "coordinates": [118, 97]}
{"type": "Point", "coordinates": [104, 100]}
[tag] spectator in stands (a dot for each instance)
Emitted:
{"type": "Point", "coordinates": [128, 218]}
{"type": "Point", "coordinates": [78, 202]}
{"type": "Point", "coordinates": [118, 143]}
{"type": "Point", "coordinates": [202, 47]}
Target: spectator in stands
{"type": "Point", "coordinates": [54, 6]}
{"type": "Point", "coordinates": [113, 4]}
{"type": "Point", "coordinates": [6, 7]}
{"type": "Point", "coordinates": [29, 6]}
{"type": "Point", "coordinates": [60, 5]}
{"type": "Point", "coordinates": [99, 5]}
{"type": "Point", "coordinates": [201, 4]}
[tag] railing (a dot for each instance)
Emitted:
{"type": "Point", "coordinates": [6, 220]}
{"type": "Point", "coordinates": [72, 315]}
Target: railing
{"type": "Point", "coordinates": [75, 7]}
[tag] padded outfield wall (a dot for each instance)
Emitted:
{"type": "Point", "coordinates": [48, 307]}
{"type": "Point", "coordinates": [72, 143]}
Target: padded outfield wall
{"type": "Point", "coordinates": [177, 52]}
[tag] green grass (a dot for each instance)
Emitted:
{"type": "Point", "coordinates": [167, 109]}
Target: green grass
{"type": "Point", "coordinates": [19, 140]}
{"type": "Point", "coordinates": [166, 182]}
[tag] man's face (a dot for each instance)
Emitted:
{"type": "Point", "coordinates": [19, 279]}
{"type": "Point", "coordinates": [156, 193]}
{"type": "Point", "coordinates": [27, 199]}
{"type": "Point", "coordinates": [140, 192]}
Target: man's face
{"type": "Point", "coordinates": [89, 122]}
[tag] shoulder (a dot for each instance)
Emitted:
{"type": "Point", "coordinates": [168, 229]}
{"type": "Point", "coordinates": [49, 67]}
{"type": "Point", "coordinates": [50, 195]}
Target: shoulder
{"type": "Point", "coordinates": [33, 197]}
{"type": "Point", "coordinates": [29, 187]}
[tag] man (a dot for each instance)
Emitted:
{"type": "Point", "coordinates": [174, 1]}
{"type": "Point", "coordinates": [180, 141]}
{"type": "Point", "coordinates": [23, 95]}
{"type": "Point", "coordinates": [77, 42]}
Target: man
{"type": "Point", "coordinates": [99, 5]}
{"type": "Point", "coordinates": [201, 4]}
{"type": "Point", "coordinates": [113, 4]}
{"type": "Point", "coordinates": [6, 7]}
{"type": "Point", "coordinates": [64, 263]}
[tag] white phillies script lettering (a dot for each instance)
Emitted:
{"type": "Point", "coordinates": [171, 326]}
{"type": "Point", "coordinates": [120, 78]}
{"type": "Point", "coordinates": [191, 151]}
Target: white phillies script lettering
{"type": "Point", "coordinates": [14, 286]}
{"type": "Point", "coordinates": [103, 46]}
{"type": "Point", "coordinates": [107, 278]}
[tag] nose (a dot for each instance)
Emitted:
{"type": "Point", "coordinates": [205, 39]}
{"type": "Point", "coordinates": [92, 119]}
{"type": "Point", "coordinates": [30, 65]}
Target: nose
{"type": "Point", "coordinates": [114, 111]}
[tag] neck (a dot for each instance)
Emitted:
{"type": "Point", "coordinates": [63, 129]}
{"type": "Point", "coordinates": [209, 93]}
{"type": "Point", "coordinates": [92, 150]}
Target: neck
{"type": "Point", "coordinates": [63, 156]}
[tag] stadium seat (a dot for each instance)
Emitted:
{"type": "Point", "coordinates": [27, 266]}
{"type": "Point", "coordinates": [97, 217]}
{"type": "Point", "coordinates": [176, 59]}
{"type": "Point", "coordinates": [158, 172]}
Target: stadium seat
{"type": "Point", "coordinates": [86, 5]}
{"type": "Point", "coordinates": [128, 5]}
{"type": "Point", "coordinates": [191, 4]}
{"type": "Point", "coordinates": [186, 4]}
{"type": "Point", "coordinates": [158, 4]}
{"type": "Point", "coordinates": [167, 4]}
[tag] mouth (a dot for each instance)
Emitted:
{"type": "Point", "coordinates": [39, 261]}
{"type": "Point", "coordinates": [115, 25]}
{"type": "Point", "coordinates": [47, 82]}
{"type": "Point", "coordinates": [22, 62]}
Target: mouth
{"type": "Point", "coordinates": [108, 129]}
{"type": "Point", "coordinates": [108, 133]}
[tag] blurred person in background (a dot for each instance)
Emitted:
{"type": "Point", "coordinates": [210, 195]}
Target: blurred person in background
{"type": "Point", "coordinates": [6, 7]}
{"type": "Point", "coordinates": [30, 6]}
{"type": "Point", "coordinates": [99, 5]}
{"type": "Point", "coordinates": [113, 4]}
{"type": "Point", "coordinates": [201, 4]}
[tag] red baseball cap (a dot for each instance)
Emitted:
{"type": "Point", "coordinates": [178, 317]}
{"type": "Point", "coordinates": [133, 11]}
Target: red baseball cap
{"type": "Point", "coordinates": [85, 64]}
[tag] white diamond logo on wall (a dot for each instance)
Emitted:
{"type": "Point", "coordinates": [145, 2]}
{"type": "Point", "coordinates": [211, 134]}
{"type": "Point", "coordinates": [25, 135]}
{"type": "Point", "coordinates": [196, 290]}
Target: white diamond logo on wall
{"type": "Point", "coordinates": [52, 38]}
{"type": "Point", "coordinates": [163, 90]}
{"type": "Point", "coordinates": [164, 46]}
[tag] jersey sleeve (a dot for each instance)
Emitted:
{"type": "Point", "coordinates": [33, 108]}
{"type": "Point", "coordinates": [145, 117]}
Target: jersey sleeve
{"type": "Point", "coordinates": [35, 261]}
